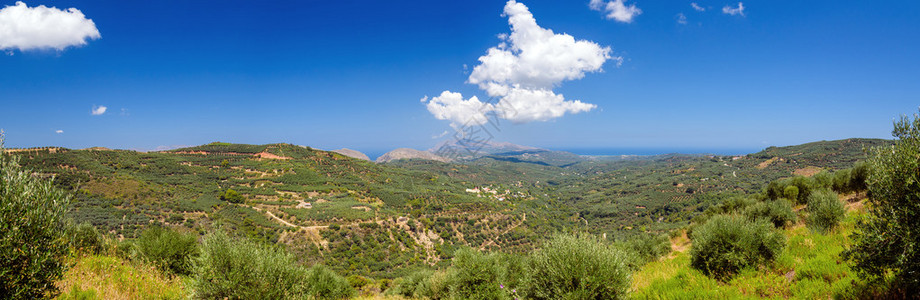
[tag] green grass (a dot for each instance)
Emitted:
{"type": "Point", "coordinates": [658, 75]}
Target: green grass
{"type": "Point", "coordinates": [819, 272]}
{"type": "Point", "coordinates": [107, 277]}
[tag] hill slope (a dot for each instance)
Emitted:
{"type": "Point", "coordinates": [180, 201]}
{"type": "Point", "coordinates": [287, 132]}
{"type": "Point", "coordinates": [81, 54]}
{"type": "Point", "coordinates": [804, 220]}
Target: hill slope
{"type": "Point", "coordinates": [406, 153]}
{"type": "Point", "coordinates": [405, 213]}
{"type": "Point", "coordinates": [352, 153]}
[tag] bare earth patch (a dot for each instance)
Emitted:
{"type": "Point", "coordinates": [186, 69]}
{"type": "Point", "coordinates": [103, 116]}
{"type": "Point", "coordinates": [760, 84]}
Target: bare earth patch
{"type": "Point", "coordinates": [767, 163]}
{"type": "Point", "coordinates": [680, 243]}
{"type": "Point", "coordinates": [269, 156]}
{"type": "Point", "coordinates": [807, 171]}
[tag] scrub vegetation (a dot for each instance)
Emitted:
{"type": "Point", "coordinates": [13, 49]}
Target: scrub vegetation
{"type": "Point", "coordinates": [280, 221]}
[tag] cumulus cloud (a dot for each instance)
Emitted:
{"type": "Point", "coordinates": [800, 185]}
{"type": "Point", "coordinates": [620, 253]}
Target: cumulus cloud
{"type": "Point", "coordinates": [616, 9]}
{"type": "Point", "coordinates": [59, 131]}
{"type": "Point", "coordinates": [520, 74]}
{"type": "Point", "coordinates": [452, 107]}
{"type": "Point", "coordinates": [734, 11]}
{"type": "Point", "coordinates": [697, 7]}
{"type": "Point", "coordinates": [681, 19]}
{"type": "Point", "coordinates": [522, 105]}
{"type": "Point", "coordinates": [98, 110]}
{"type": "Point", "coordinates": [41, 27]}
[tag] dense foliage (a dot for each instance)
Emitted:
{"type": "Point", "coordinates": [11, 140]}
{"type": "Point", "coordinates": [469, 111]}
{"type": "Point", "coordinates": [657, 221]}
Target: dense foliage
{"type": "Point", "coordinates": [33, 242]}
{"type": "Point", "coordinates": [169, 249]}
{"type": "Point", "coordinates": [825, 211]}
{"type": "Point", "coordinates": [85, 238]}
{"type": "Point", "coordinates": [578, 267]}
{"type": "Point", "coordinates": [727, 243]}
{"type": "Point", "coordinates": [231, 268]}
{"type": "Point", "coordinates": [777, 212]}
{"type": "Point", "coordinates": [888, 240]}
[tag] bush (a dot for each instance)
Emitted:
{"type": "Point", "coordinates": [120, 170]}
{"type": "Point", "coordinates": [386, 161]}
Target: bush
{"type": "Point", "coordinates": [791, 192]}
{"type": "Point", "coordinates": [728, 243]}
{"type": "Point", "coordinates": [406, 286]}
{"type": "Point", "coordinates": [578, 267]}
{"type": "Point", "coordinates": [128, 249]}
{"type": "Point", "coordinates": [825, 211]}
{"type": "Point", "coordinates": [357, 281]}
{"type": "Point", "coordinates": [852, 179]}
{"type": "Point", "coordinates": [434, 286]}
{"type": "Point", "coordinates": [85, 238]}
{"type": "Point", "coordinates": [241, 269]}
{"type": "Point", "coordinates": [33, 241]}
{"type": "Point", "coordinates": [475, 275]}
{"type": "Point", "coordinates": [777, 212]}
{"type": "Point", "coordinates": [170, 250]}
{"type": "Point", "coordinates": [323, 283]}
{"type": "Point", "coordinates": [231, 196]}
{"type": "Point", "coordinates": [887, 240]}
{"type": "Point", "coordinates": [731, 205]}
{"type": "Point", "coordinates": [649, 247]}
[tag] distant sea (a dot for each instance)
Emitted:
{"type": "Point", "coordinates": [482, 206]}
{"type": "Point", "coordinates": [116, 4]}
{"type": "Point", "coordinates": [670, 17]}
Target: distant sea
{"type": "Point", "coordinates": [373, 154]}
{"type": "Point", "coordinates": [657, 151]}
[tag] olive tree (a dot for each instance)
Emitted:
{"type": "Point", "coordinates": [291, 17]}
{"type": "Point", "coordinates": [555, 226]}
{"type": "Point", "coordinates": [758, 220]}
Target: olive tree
{"type": "Point", "coordinates": [33, 242]}
{"type": "Point", "coordinates": [888, 238]}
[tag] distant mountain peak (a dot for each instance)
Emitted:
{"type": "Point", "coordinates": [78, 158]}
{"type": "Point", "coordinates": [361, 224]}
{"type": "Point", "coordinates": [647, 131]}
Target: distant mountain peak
{"type": "Point", "coordinates": [469, 149]}
{"type": "Point", "coordinates": [406, 153]}
{"type": "Point", "coordinates": [352, 153]}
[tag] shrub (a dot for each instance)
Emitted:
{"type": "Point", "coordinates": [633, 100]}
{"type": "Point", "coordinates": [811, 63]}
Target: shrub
{"type": "Point", "coordinates": [422, 284]}
{"type": "Point", "coordinates": [231, 196]}
{"type": "Point", "coordinates": [825, 211]}
{"type": "Point", "coordinates": [33, 243]}
{"type": "Point", "coordinates": [85, 238]}
{"type": "Point", "coordinates": [475, 275]}
{"type": "Point", "coordinates": [777, 212]}
{"type": "Point", "coordinates": [357, 281]}
{"type": "Point", "coordinates": [578, 267]}
{"type": "Point", "coordinates": [127, 249]}
{"type": "Point", "coordinates": [322, 283]}
{"type": "Point", "coordinates": [649, 247]}
{"type": "Point", "coordinates": [887, 240]}
{"type": "Point", "coordinates": [434, 286]}
{"type": "Point", "coordinates": [728, 243]}
{"type": "Point", "coordinates": [241, 269]}
{"type": "Point", "coordinates": [406, 286]}
{"type": "Point", "coordinates": [168, 249]}
{"type": "Point", "coordinates": [731, 205]}
{"type": "Point", "coordinates": [852, 179]}
{"type": "Point", "coordinates": [791, 192]}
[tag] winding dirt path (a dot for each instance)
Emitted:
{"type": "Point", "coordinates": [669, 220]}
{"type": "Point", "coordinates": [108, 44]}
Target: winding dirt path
{"type": "Point", "coordinates": [282, 221]}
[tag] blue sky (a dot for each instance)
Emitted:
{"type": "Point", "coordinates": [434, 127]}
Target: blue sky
{"type": "Point", "coordinates": [333, 74]}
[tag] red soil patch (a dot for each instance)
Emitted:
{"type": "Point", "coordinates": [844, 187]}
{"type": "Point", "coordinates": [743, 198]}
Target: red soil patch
{"type": "Point", "coordinates": [270, 156]}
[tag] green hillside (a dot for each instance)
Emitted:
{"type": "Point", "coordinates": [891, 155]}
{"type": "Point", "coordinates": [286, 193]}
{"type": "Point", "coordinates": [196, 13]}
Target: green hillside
{"type": "Point", "coordinates": [379, 222]}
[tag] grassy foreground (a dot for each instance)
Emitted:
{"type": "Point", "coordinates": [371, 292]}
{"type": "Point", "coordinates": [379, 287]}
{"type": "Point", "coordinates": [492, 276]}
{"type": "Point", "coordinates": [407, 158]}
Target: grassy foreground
{"type": "Point", "coordinates": [810, 267]}
{"type": "Point", "coordinates": [109, 277]}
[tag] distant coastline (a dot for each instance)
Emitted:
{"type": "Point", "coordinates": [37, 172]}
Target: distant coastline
{"type": "Point", "coordinates": [657, 151]}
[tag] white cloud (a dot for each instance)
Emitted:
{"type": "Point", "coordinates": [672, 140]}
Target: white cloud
{"type": "Point", "coordinates": [522, 105]}
{"type": "Point", "coordinates": [443, 134]}
{"type": "Point", "coordinates": [521, 73]}
{"type": "Point", "coordinates": [734, 10]}
{"type": "Point", "coordinates": [98, 110]}
{"type": "Point", "coordinates": [616, 9]}
{"type": "Point", "coordinates": [681, 19]}
{"type": "Point", "coordinates": [697, 7]}
{"type": "Point", "coordinates": [59, 131]}
{"type": "Point", "coordinates": [451, 106]}
{"type": "Point", "coordinates": [41, 27]}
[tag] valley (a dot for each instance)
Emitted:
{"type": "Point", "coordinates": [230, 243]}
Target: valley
{"type": "Point", "coordinates": [382, 220]}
